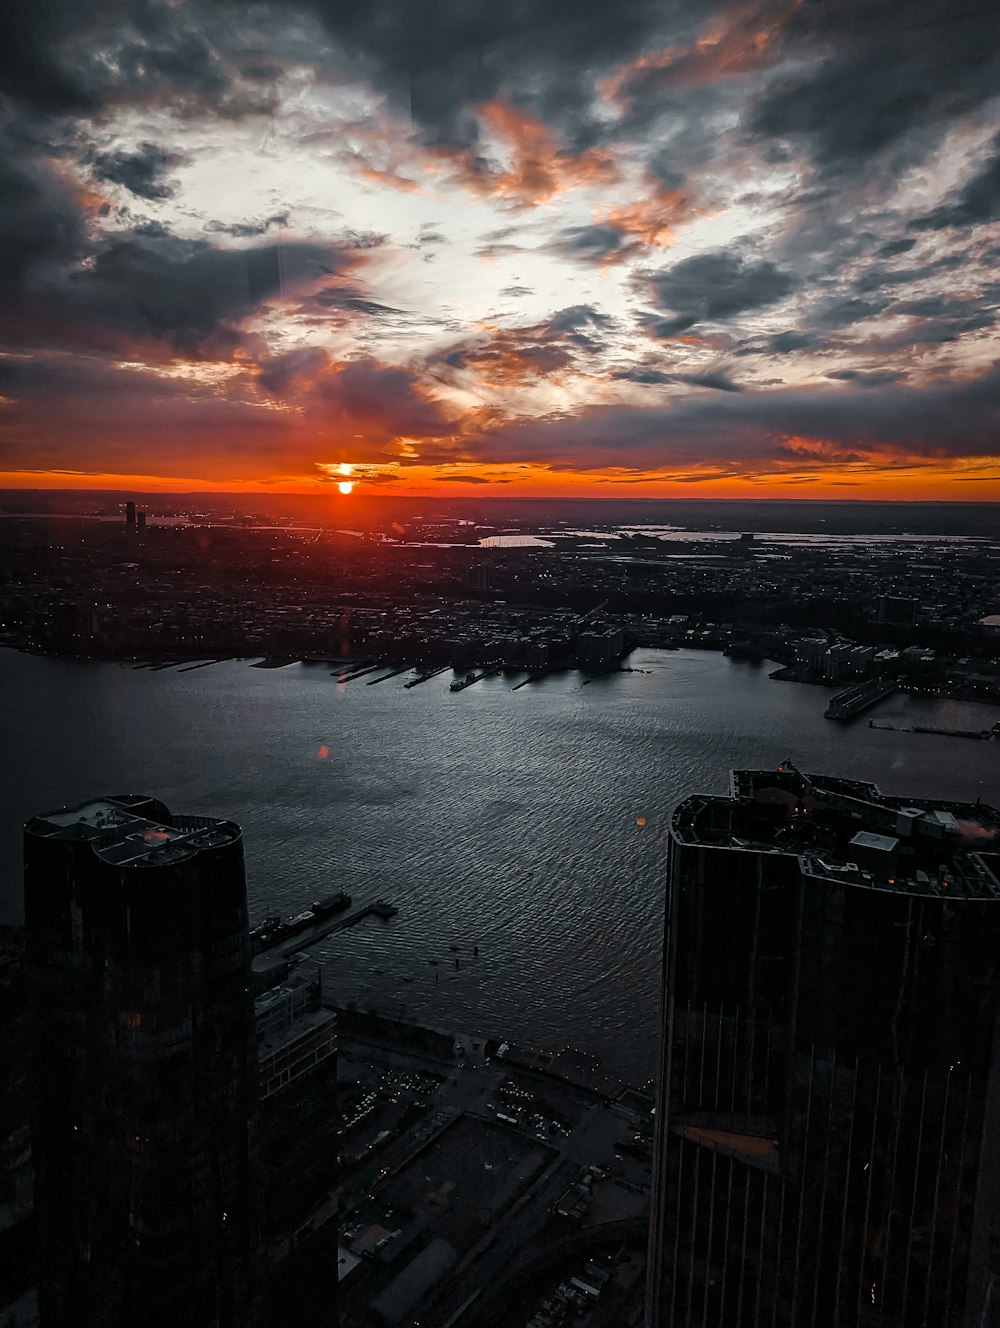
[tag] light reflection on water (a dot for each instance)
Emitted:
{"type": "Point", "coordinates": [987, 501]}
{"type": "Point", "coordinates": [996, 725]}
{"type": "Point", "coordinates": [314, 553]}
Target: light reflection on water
{"type": "Point", "coordinates": [529, 823]}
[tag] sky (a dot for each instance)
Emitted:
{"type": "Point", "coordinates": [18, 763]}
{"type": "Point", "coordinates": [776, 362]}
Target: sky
{"type": "Point", "coordinates": [544, 247]}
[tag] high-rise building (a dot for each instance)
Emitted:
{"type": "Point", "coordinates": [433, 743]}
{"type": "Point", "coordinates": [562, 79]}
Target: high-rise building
{"type": "Point", "coordinates": [130, 516]}
{"type": "Point", "coordinates": [145, 1066]}
{"type": "Point", "coordinates": [828, 1111]}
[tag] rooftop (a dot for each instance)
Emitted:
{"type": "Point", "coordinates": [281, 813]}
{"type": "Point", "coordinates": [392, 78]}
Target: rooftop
{"type": "Point", "coordinates": [848, 831]}
{"type": "Point", "coordinates": [134, 831]}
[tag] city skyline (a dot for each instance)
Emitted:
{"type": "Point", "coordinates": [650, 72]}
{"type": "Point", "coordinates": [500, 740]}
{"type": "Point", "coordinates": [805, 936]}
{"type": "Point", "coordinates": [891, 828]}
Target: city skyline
{"type": "Point", "coordinates": [686, 250]}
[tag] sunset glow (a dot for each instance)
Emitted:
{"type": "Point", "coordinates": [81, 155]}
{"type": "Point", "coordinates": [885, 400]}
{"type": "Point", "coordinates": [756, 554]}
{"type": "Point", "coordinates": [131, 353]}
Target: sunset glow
{"type": "Point", "coordinates": [673, 260]}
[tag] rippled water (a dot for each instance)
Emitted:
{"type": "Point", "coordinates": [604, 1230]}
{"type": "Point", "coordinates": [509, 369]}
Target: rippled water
{"type": "Point", "coordinates": [494, 818]}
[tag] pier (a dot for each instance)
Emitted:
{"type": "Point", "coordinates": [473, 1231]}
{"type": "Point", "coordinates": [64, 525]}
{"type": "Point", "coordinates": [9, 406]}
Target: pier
{"type": "Point", "coordinates": [862, 696]}
{"type": "Point", "coordinates": [980, 735]}
{"type": "Point", "coordinates": [320, 929]}
{"type": "Point", "coordinates": [426, 676]}
{"type": "Point", "coordinates": [394, 673]}
{"type": "Point", "coordinates": [470, 678]}
{"type": "Point", "coordinates": [353, 671]}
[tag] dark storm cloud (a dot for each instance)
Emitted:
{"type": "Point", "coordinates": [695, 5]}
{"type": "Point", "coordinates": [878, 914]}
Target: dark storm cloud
{"type": "Point", "coordinates": [279, 374]}
{"type": "Point", "coordinates": [571, 322]}
{"type": "Point", "coordinates": [365, 390]}
{"type": "Point", "coordinates": [152, 287]}
{"type": "Point", "coordinates": [468, 479]}
{"type": "Point", "coordinates": [782, 343]}
{"type": "Point", "coordinates": [896, 247]}
{"type": "Point", "coordinates": [40, 221]}
{"type": "Point", "coordinates": [439, 58]}
{"type": "Point", "coordinates": [894, 425]}
{"type": "Point", "coordinates": [184, 291]}
{"type": "Point", "coordinates": [870, 378]}
{"type": "Point", "coordinates": [245, 230]}
{"type": "Point", "coordinates": [713, 287]}
{"type": "Point", "coordinates": [644, 377]}
{"type": "Point", "coordinates": [845, 312]}
{"type": "Point", "coordinates": [144, 172]}
{"type": "Point", "coordinates": [599, 243]}
{"type": "Point", "coordinates": [88, 413]}
{"type": "Point", "coordinates": [715, 380]}
{"type": "Point", "coordinates": [872, 73]}
{"type": "Point", "coordinates": [976, 203]}
{"type": "Point", "coordinates": [63, 58]}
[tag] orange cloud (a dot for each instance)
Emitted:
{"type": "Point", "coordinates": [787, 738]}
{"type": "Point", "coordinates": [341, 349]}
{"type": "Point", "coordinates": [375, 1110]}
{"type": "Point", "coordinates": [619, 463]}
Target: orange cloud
{"type": "Point", "coordinates": [539, 167]}
{"type": "Point", "coordinates": [731, 44]}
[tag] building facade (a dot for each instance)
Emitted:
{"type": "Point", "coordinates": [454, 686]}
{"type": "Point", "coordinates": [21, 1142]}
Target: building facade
{"type": "Point", "coordinates": [297, 1089]}
{"type": "Point", "coordinates": [145, 1066]}
{"type": "Point", "coordinates": [828, 1113]}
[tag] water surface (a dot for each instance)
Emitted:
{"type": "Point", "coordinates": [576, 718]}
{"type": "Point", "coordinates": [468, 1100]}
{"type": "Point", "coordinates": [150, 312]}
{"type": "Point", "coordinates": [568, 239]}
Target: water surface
{"type": "Point", "coordinates": [502, 819]}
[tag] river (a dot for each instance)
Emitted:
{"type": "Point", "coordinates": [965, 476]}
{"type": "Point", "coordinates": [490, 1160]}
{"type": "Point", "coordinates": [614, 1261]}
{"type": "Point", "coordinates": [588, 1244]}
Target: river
{"type": "Point", "coordinates": [531, 824]}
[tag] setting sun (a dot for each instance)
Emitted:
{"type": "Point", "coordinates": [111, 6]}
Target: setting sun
{"type": "Point", "coordinates": [345, 486]}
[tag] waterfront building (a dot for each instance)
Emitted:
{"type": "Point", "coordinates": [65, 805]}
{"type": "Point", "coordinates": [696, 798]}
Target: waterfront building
{"type": "Point", "coordinates": [144, 1066]}
{"type": "Point", "coordinates": [828, 1111]}
{"type": "Point", "coordinates": [600, 649]}
{"type": "Point", "coordinates": [297, 1089]}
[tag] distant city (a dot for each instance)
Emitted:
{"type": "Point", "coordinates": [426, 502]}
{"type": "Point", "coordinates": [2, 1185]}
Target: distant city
{"type": "Point", "coordinates": [532, 587]}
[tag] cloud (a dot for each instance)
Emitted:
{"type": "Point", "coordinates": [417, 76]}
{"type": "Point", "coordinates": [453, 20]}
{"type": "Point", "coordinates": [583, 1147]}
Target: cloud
{"type": "Point", "coordinates": [976, 203]}
{"type": "Point", "coordinates": [61, 58]}
{"type": "Point", "coordinates": [892, 425]}
{"type": "Point", "coordinates": [144, 286]}
{"type": "Point", "coordinates": [599, 243]}
{"type": "Point", "coordinates": [187, 294]}
{"type": "Point", "coordinates": [868, 377]}
{"type": "Point", "coordinates": [714, 380]}
{"type": "Point", "coordinates": [865, 82]}
{"type": "Point", "coordinates": [248, 229]}
{"type": "Point", "coordinates": [469, 479]}
{"type": "Point", "coordinates": [41, 222]}
{"type": "Point", "coordinates": [712, 288]}
{"type": "Point", "coordinates": [437, 61]}
{"type": "Point", "coordinates": [143, 171]}
{"type": "Point", "coordinates": [510, 357]}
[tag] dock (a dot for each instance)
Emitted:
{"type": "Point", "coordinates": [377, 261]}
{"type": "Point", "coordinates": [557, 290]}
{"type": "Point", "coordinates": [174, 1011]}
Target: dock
{"type": "Point", "coordinates": [979, 735]}
{"type": "Point", "coordinates": [394, 673]}
{"type": "Point", "coordinates": [354, 671]}
{"type": "Point", "coordinates": [426, 677]}
{"type": "Point", "coordinates": [322, 928]}
{"type": "Point", "coordinates": [470, 678]}
{"type": "Point", "coordinates": [862, 696]}
{"type": "Point", "coordinates": [534, 675]}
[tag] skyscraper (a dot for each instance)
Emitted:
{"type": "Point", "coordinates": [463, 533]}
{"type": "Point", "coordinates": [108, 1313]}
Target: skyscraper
{"type": "Point", "coordinates": [145, 1066]}
{"type": "Point", "coordinates": [130, 517]}
{"type": "Point", "coordinates": [828, 1113]}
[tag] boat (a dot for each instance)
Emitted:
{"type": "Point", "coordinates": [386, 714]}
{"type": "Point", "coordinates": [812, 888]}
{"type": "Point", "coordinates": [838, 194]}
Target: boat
{"type": "Point", "coordinates": [331, 904]}
{"type": "Point", "coordinates": [461, 683]}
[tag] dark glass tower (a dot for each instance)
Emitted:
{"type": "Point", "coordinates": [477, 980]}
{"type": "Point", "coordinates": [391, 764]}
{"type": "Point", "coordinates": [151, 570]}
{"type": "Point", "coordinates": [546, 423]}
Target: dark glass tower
{"type": "Point", "coordinates": [828, 1115]}
{"type": "Point", "coordinates": [139, 968]}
